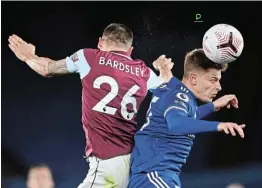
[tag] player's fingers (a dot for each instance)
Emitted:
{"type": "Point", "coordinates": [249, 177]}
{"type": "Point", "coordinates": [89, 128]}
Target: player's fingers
{"type": "Point", "coordinates": [234, 102]}
{"type": "Point", "coordinates": [235, 105]}
{"type": "Point", "coordinates": [228, 106]}
{"type": "Point", "coordinates": [169, 60]}
{"type": "Point", "coordinates": [18, 38]}
{"type": "Point", "coordinates": [232, 131]}
{"type": "Point", "coordinates": [235, 99]}
{"type": "Point", "coordinates": [232, 98]}
{"type": "Point", "coordinates": [32, 48]}
{"type": "Point", "coordinates": [171, 65]}
{"type": "Point", "coordinates": [226, 130]}
{"type": "Point", "coordinates": [239, 130]}
{"type": "Point", "coordinates": [168, 66]}
{"type": "Point", "coordinates": [13, 42]}
{"type": "Point", "coordinates": [156, 65]}
{"type": "Point", "coordinates": [162, 56]}
{"type": "Point", "coordinates": [242, 126]}
{"type": "Point", "coordinates": [12, 48]}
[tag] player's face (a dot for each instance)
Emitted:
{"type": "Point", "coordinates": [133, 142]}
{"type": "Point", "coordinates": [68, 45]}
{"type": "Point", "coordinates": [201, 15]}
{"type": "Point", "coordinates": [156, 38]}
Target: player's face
{"type": "Point", "coordinates": [40, 178]}
{"type": "Point", "coordinates": [208, 85]}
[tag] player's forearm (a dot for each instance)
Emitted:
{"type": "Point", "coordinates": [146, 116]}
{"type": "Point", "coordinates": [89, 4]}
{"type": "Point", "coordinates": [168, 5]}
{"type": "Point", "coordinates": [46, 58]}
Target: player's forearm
{"type": "Point", "coordinates": [57, 67]}
{"type": "Point", "coordinates": [185, 125]}
{"type": "Point", "coordinates": [205, 110]}
{"type": "Point", "coordinates": [47, 67]}
{"type": "Point", "coordinates": [165, 75]}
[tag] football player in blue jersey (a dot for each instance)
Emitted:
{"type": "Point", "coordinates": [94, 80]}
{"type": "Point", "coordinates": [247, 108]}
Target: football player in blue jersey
{"type": "Point", "coordinates": [163, 143]}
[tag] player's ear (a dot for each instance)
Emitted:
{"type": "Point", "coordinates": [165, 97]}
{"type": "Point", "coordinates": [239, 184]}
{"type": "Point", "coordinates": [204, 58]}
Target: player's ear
{"type": "Point", "coordinates": [193, 79]}
{"type": "Point", "coordinates": [130, 50]}
{"type": "Point", "coordinates": [100, 43]}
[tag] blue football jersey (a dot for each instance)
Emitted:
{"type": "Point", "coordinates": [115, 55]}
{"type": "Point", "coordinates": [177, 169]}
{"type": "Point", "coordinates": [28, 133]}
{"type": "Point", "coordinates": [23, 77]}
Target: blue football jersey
{"type": "Point", "coordinates": [157, 148]}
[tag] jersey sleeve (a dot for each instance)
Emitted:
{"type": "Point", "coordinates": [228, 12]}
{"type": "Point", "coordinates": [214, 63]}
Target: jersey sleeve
{"type": "Point", "coordinates": [177, 116]}
{"type": "Point", "coordinates": [205, 110]}
{"type": "Point", "coordinates": [77, 63]}
{"type": "Point", "coordinates": [153, 81]}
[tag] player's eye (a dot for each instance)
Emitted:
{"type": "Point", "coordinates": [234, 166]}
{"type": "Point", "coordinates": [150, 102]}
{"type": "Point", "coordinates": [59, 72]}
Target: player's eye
{"type": "Point", "coordinates": [213, 80]}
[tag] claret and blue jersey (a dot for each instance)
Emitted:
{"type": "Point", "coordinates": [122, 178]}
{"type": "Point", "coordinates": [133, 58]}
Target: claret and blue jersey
{"type": "Point", "coordinates": [163, 143]}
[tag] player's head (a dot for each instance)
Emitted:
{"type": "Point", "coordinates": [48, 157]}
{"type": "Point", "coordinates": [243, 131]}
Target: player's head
{"type": "Point", "coordinates": [202, 75]}
{"type": "Point", "coordinates": [116, 37]}
{"type": "Point", "coordinates": [40, 176]}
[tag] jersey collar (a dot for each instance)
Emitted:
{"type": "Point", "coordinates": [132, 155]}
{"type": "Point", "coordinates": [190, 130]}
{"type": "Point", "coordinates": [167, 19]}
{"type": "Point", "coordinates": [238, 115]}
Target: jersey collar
{"type": "Point", "coordinates": [122, 53]}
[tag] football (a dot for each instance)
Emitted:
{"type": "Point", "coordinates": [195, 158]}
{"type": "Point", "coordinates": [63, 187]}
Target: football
{"type": "Point", "coordinates": [223, 43]}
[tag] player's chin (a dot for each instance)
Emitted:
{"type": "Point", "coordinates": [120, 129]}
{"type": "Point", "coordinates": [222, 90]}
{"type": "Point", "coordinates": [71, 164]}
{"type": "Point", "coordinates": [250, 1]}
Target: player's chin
{"type": "Point", "coordinates": [207, 100]}
{"type": "Point", "coordinates": [211, 99]}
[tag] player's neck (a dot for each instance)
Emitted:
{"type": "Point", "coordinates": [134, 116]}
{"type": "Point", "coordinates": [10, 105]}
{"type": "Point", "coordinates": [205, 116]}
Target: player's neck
{"type": "Point", "coordinates": [116, 49]}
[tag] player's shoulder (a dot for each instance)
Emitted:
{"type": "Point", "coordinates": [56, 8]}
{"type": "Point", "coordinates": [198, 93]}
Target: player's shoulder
{"type": "Point", "coordinates": [142, 65]}
{"type": "Point", "coordinates": [177, 98]}
{"type": "Point", "coordinates": [140, 61]}
{"type": "Point", "coordinates": [179, 94]}
{"type": "Point", "coordinates": [90, 50]}
{"type": "Point", "coordinates": [84, 52]}
{"type": "Point", "coordinates": [182, 93]}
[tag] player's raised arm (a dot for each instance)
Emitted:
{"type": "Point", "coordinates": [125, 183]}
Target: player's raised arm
{"type": "Point", "coordinates": [41, 65]}
{"type": "Point", "coordinates": [205, 110]}
{"type": "Point", "coordinates": [46, 66]}
{"type": "Point", "coordinates": [179, 122]}
{"type": "Point", "coordinates": [226, 100]}
{"type": "Point", "coordinates": [164, 66]}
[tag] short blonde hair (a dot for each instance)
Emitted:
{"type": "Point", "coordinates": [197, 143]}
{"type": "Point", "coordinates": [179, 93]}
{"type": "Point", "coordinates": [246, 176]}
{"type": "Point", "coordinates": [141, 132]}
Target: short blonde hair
{"type": "Point", "coordinates": [119, 33]}
{"type": "Point", "coordinates": [197, 60]}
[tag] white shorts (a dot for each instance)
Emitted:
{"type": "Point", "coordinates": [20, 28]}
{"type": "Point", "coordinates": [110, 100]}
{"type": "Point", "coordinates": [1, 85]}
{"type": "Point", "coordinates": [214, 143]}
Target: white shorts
{"type": "Point", "coordinates": [110, 173]}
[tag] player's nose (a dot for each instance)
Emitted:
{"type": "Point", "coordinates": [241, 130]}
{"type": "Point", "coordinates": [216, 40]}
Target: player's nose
{"type": "Point", "coordinates": [219, 87]}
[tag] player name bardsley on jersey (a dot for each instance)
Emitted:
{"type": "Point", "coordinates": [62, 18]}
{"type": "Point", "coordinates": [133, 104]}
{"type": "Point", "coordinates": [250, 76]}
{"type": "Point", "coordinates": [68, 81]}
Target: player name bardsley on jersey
{"type": "Point", "coordinates": [121, 66]}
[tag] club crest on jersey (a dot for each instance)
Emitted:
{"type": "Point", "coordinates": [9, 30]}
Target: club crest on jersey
{"type": "Point", "coordinates": [182, 97]}
{"type": "Point", "coordinates": [74, 57]}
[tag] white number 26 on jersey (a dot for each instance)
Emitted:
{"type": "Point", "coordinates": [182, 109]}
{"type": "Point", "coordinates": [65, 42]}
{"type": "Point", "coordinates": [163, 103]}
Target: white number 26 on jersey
{"type": "Point", "coordinates": [102, 107]}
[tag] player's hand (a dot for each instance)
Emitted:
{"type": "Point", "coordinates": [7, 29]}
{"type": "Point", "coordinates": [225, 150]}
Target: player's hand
{"type": "Point", "coordinates": [162, 63]}
{"type": "Point", "coordinates": [226, 100]}
{"type": "Point", "coordinates": [32, 48]}
{"type": "Point", "coordinates": [21, 49]}
{"type": "Point", "coordinates": [230, 128]}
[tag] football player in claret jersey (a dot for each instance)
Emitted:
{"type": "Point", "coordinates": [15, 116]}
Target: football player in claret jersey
{"type": "Point", "coordinates": [114, 85]}
{"type": "Point", "coordinates": [163, 143]}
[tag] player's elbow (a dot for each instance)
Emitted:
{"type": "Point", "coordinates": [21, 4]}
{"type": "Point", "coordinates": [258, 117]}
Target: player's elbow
{"type": "Point", "coordinates": [46, 74]}
{"type": "Point", "coordinates": [49, 76]}
{"type": "Point", "coordinates": [45, 66]}
{"type": "Point", "coordinates": [47, 69]}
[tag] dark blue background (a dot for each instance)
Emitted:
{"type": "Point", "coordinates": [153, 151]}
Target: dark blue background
{"type": "Point", "coordinates": [41, 118]}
